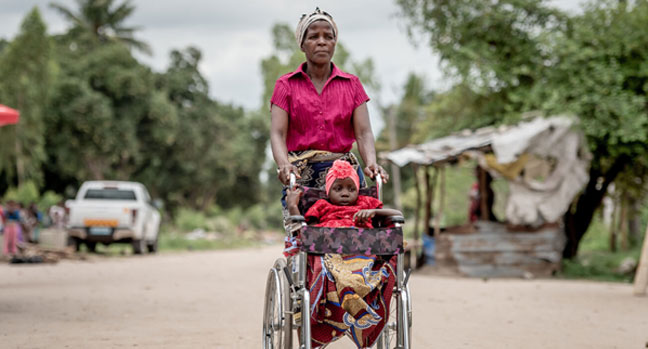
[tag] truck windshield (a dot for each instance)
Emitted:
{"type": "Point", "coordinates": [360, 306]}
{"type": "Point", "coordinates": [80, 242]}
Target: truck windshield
{"type": "Point", "coordinates": [110, 194]}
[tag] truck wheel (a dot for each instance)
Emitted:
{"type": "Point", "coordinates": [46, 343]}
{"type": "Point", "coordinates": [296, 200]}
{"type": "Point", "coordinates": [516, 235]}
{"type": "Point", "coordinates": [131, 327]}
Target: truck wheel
{"type": "Point", "coordinates": [138, 246]}
{"type": "Point", "coordinates": [74, 242]}
{"type": "Point", "coordinates": [152, 247]}
{"type": "Point", "coordinates": [92, 246]}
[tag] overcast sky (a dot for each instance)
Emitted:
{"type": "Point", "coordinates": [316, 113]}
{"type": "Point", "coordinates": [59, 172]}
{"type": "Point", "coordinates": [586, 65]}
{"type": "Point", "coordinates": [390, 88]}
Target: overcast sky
{"type": "Point", "coordinates": [235, 35]}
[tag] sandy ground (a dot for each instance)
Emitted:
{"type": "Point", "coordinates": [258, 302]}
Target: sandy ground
{"type": "Point", "coordinates": [214, 300]}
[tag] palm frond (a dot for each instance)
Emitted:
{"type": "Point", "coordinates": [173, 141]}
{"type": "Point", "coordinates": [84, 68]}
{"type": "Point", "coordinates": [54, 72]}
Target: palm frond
{"type": "Point", "coordinates": [119, 14]}
{"type": "Point", "coordinates": [136, 44]}
{"type": "Point", "coordinates": [65, 12]}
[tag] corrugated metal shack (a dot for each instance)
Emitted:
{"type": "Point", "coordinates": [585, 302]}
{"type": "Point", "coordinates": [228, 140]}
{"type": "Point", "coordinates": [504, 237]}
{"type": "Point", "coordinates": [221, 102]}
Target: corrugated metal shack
{"type": "Point", "coordinates": [544, 162]}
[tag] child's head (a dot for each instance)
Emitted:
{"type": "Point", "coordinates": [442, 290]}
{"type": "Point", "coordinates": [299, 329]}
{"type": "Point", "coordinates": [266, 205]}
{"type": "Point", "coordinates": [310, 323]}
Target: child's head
{"type": "Point", "coordinates": [342, 183]}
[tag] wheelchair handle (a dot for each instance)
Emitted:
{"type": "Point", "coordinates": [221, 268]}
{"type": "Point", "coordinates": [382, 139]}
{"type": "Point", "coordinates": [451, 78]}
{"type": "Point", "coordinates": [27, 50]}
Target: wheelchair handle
{"type": "Point", "coordinates": [379, 185]}
{"type": "Point", "coordinates": [293, 181]}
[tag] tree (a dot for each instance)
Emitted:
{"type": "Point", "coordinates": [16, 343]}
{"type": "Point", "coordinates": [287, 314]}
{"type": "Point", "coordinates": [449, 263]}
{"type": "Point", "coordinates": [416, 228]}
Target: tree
{"type": "Point", "coordinates": [100, 98]}
{"type": "Point", "coordinates": [408, 114]}
{"type": "Point", "coordinates": [213, 156]}
{"type": "Point", "coordinates": [102, 21]}
{"type": "Point", "coordinates": [512, 56]}
{"type": "Point", "coordinates": [600, 74]}
{"type": "Point", "coordinates": [25, 67]}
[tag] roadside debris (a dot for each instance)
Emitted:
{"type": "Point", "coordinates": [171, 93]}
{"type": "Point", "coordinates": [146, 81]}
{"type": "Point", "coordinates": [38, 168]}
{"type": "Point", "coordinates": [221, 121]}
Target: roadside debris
{"type": "Point", "coordinates": [31, 253]}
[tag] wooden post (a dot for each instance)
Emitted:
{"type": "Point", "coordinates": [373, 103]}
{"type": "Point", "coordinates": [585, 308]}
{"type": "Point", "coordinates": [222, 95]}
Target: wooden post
{"type": "Point", "coordinates": [641, 276]}
{"type": "Point", "coordinates": [429, 201]}
{"type": "Point", "coordinates": [427, 213]}
{"type": "Point", "coordinates": [437, 216]}
{"type": "Point", "coordinates": [614, 226]}
{"type": "Point", "coordinates": [483, 195]}
{"type": "Point", "coordinates": [623, 222]}
{"type": "Point", "coordinates": [417, 212]}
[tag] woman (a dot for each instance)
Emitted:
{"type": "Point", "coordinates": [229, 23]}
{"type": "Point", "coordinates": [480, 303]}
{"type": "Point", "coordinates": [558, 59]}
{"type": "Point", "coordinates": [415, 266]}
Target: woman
{"type": "Point", "coordinates": [318, 112]}
{"type": "Point", "coordinates": [12, 229]}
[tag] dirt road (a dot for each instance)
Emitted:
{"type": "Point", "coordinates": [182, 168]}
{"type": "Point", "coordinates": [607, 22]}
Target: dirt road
{"type": "Point", "coordinates": [214, 300]}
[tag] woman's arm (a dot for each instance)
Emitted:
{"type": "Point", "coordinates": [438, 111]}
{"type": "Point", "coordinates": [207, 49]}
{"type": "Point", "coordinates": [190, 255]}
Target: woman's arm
{"type": "Point", "coordinates": [365, 138]}
{"type": "Point", "coordinates": [278, 131]}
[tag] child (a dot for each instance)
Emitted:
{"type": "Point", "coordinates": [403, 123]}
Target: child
{"type": "Point", "coordinates": [344, 207]}
{"type": "Point", "coordinates": [12, 229]}
{"type": "Point", "coordinates": [350, 295]}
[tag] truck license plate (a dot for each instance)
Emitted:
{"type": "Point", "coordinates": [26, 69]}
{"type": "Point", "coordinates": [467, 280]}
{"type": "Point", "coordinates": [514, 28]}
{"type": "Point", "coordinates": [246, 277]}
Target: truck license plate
{"type": "Point", "coordinates": [100, 231]}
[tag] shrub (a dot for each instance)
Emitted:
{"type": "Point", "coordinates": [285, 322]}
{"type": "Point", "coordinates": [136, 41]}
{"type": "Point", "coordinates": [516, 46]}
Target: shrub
{"type": "Point", "coordinates": [188, 220]}
{"type": "Point", "coordinates": [25, 194]}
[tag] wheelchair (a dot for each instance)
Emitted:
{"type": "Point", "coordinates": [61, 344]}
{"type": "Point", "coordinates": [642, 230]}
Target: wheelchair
{"type": "Point", "coordinates": [287, 293]}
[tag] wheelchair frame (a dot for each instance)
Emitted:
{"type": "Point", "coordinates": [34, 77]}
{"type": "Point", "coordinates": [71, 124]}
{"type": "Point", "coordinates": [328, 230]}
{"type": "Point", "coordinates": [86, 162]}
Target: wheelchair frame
{"type": "Point", "coordinates": [287, 294]}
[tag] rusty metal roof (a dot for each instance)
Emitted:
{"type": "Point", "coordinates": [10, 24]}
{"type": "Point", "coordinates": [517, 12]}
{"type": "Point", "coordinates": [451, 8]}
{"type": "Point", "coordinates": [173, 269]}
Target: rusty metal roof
{"type": "Point", "coordinates": [450, 147]}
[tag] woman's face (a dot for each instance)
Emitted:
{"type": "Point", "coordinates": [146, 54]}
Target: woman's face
{"type": "Point", "coordinates": [319, 42]}
{"type": "Point", "coordinates": [343, 192]}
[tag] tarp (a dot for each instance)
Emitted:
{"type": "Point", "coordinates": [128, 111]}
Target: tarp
{"type": "Point", "coordinates": [544, 160]}
{"type": "Point", "coordinates": [8, 115]}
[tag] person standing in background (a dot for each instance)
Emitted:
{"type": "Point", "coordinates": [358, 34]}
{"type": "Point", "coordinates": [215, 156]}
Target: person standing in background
{"type": "Point", "coordinates": [12, 229]}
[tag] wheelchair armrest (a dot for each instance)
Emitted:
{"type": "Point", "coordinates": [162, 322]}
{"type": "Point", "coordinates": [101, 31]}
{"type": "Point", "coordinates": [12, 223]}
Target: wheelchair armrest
{"type": "Point", "coordinates": [387, 221]}
{"type": "Point", "coordinates": [397, 219]}
{"type": "Point", "coordinates": [297, 219]}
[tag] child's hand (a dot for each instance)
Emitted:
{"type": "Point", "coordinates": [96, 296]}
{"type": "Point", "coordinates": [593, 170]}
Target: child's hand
{"type": "Point", "coordinates": [293, 196]}
{"type": "Point", "coordinates": [363, 216]}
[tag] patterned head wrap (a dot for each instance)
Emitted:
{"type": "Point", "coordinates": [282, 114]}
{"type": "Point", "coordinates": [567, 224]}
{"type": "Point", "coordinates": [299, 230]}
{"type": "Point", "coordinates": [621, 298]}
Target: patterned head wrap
{"type": "Point", "coordinates": [341, 169]}
{"type": "Point", "coordinates": [306, 20]}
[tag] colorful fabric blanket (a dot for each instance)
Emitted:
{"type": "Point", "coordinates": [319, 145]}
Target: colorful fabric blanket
{"type": "Point", "coordinates": [350, 294]}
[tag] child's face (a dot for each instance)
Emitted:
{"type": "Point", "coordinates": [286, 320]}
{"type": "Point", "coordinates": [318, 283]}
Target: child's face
{"type": "Point", "coordinates": [343, 192]}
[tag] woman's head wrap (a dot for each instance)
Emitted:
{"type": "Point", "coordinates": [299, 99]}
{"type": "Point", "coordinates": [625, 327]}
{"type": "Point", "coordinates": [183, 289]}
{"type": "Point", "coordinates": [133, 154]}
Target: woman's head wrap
{"type": "Point", "coordinates": [306, 20]}
{"type": "Point", "coordinates": [341, 169]}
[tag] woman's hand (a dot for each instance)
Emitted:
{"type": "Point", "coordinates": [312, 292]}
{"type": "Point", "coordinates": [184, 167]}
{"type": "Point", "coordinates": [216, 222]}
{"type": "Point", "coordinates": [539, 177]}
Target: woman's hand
{"type": "Point", "coordinates": [363, 216]}
{"type": "Point", "coordinates": [372, 170]}
{"type": "Point", "coordinates": [284, 171]}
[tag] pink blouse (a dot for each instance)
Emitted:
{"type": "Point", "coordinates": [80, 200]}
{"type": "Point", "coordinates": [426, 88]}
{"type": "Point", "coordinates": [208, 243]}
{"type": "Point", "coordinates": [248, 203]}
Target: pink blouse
{"type": "Point", "coordinates": [319, 121]}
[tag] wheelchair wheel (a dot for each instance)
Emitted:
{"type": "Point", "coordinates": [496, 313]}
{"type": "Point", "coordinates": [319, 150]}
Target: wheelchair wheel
{"type": "Point", "coordinates": [276, 322]}
{"type": "Point", "coordinates": [389, 337]}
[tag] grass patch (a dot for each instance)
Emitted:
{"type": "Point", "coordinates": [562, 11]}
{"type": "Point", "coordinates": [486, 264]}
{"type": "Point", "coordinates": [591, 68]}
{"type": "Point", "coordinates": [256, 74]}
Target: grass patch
{"type": "Point", "coordinates": [178, 242]}
{"type": "Point", "coordinates": [599, 265]}
{"type": "Point", "coordinates": [174, 241]}
{"type": "Point", "coordinates": [595, 261]}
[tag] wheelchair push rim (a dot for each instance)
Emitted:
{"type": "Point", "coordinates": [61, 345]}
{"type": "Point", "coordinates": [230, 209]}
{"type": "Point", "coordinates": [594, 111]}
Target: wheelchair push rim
{"type": "Point", "coordinates": [389, 338]}
{"type": "Point", "coordinates": [276, 325]}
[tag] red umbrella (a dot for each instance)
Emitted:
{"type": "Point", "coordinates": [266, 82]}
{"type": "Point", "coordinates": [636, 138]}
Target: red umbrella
{"type": "Point", "coordinates": [8, 115]}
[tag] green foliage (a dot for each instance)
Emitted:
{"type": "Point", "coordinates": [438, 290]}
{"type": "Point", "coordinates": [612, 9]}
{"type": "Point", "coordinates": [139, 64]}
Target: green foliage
{"type": "Point", "coordinates": [601, 75]}
{"type": "Point", "coordinates": [25, 194]}
{"type": "Point", "coordinates": [205, 152]}
{"type": "Point", "coordinates": [109, 116]}
{"type": "Point", "coordinates": [25, 69]}
{"type": "Point", "coordinates": [28, 193]}
{"type": "Point", "coordinates": [100, 21]}
{"type": "Point", "coordinates": [188, 220]}
{"type": "Point", "coordinates": [595, 261]}
{"type": "Point", "coordinates": [265, 216]}
{"type": "Point", "coordinates": [49, 199]}
{"type": "Point", "coordinates": [509, 57]}
{"type": "Point", "coordinates": [259, 217]}
{"type": "Point", "coordinates": [178, 242]}
{"type": "Point", "coordinates": [99, 94]}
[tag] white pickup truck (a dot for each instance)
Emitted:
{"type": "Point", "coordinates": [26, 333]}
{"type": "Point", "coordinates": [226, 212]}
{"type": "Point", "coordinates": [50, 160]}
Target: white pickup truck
{"type": "Point", "coordinates": [113, 212]}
